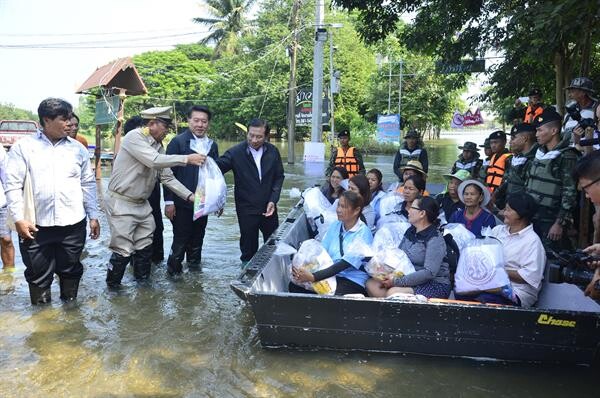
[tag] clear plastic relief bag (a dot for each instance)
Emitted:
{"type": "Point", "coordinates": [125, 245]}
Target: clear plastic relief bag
{"type": "Point", "coordinates": [211, 190]}
{"type": "Point", "coordinates": [313, 257]}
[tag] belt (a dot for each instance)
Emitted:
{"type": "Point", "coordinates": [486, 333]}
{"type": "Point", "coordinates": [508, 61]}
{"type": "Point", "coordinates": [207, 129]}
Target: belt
{"type": "Point", "coordinates": [127, 198]}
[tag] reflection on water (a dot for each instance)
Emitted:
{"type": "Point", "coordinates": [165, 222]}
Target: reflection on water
{"type": "Point", "coordinates": [194, 337]}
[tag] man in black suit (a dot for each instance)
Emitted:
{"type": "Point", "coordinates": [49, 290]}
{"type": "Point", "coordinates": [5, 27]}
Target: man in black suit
{"type": "Point", "coordinates": [258, 177]}
{"type": "Point", "coordinates": [188, 235]}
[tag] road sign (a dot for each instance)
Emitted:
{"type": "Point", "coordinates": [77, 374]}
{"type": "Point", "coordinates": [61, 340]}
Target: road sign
{"type": "Point", "coordinates": [474, 66]}
{"type": "Point", "coordinates": [304, 108]}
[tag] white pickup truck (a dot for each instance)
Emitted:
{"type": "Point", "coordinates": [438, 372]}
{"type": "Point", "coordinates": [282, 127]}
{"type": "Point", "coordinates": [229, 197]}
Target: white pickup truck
{"type": "Point", "coordinates": [13, 130]}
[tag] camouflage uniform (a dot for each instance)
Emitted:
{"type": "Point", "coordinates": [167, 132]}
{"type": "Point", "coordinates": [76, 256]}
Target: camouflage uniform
{"type": "Point", "coordinates": [516, 176]}
{"type": "Point", "coordinates": [551, 185]}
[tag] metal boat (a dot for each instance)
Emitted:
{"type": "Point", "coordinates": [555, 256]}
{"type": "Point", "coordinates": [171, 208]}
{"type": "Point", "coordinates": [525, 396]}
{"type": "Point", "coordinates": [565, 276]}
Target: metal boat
{"type": "Point", "coordinates": [563, 327]}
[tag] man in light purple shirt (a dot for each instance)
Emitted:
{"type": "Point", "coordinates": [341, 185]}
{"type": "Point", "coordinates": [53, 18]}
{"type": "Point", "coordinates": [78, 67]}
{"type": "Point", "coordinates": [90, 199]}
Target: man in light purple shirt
{"type": "Point", "coordinates": [63, 189]}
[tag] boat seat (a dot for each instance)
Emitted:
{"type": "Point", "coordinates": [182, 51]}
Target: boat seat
{"type": "Point", "coordinates": [565, 296]}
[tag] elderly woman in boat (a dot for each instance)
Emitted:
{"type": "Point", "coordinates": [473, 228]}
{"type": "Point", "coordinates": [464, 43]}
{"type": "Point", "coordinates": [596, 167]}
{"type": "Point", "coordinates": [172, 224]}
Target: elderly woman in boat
{"type": "Point", "coordinates": [338, 240]}
{"type": "Point", "coordinates": [414, 187]}
{"type": "Point", "coordinates": [524, 255]}
{"type": "Point", "coordinates": [425, 247]}
{"type": "Point", "coordinates": [475, 196]}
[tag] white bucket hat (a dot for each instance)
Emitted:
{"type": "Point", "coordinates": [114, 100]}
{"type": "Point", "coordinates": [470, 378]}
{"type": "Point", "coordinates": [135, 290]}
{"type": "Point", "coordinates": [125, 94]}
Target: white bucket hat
{"type": "Point", "coordinates": [486, 191]}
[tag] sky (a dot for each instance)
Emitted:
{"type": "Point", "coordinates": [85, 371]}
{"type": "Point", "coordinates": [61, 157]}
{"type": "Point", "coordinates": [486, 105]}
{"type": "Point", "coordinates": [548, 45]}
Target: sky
{"type": "Point", "coordinates": [49, 48]}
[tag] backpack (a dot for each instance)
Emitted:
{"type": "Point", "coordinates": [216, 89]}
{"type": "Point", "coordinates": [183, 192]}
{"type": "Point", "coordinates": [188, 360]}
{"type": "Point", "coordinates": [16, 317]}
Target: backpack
{"type": "Point", "coordinates": [452, 253]}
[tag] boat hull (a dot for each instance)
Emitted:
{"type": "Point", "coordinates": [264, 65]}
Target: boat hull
{"type": "Point", "coordinates": [564, 328]}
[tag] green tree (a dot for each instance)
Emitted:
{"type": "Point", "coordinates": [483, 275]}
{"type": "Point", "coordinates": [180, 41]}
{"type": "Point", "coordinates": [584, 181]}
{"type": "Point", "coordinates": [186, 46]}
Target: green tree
{"type": "Point", "coordinates": [11, 112]}
{"type": "Point", "coordinates": [227, 24]}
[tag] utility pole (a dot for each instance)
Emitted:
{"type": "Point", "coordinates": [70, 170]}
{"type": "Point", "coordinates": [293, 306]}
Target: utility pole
{"type": "Point", "coordinates": [400, 91]}
{"type": "Point", "coordinates": [317, 99]}
{"type": "Point", "coordinates": [292, 84]}
{"type": "Point", "coordinates": [331, 89]}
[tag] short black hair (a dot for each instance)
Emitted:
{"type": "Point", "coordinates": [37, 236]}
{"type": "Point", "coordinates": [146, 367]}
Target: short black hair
{"type": "Point", "coordinates": [418, 180]}
{"type": "Point", "coordinates": [260, 123]}
{"type": "Point", "coordinates": [524, 204]}
{"type": "Point", "coordinates": [430, 207]}
{"type": "Point", "coordinates": [133, 123]}
{"type": "Point", "coordinates": [199, 108]}
{"type": "Point", "coordinates": [587, 167]}
{"type": "Point", "coordinates": [74, 115]}
{"type": "Point", "coordinates": [52, 108]}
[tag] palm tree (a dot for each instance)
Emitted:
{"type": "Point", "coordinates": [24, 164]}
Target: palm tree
{"type": "Point", "coordinates": [227, 24]}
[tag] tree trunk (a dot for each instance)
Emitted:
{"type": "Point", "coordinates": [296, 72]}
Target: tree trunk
{"type": "Point", "coordinates": [560, 78]}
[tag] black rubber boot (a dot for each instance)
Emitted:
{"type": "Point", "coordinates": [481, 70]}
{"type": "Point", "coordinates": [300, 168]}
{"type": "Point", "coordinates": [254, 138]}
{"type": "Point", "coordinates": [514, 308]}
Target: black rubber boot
{"type": "Point", "coordinates": [39, 295]}
{"type": "Point", "coordinates": [142, 263]}
{"type": "Point", "coordinates": [116, 270]}
{"type": "Point", "coordinates": [68, 289]}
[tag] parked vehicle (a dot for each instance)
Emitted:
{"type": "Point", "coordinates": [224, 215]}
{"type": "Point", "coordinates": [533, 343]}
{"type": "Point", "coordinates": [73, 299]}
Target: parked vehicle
{"type": "Point", "coordinates": [13, 130]}
{"type": "Point", "coordinates": [563, 327]}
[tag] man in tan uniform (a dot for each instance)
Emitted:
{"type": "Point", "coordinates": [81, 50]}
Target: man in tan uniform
{"type": "Point", "coordinates": [136, 167]}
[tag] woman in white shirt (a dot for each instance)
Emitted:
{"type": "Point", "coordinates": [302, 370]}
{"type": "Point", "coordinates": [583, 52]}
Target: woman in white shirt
{"type": "Point", "coordinates": [524, 255]}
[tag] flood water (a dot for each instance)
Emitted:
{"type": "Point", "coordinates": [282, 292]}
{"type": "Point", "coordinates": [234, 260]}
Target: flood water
{"type": "Point", "coordinates": [193, 337]}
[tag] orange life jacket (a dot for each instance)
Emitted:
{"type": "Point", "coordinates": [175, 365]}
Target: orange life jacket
{"type": "Point", "coordinates": [496, 169]}
{"type": "Point", "coordinates": [531, 114]}
{"type": "Point", "coordinates": [347, 160]}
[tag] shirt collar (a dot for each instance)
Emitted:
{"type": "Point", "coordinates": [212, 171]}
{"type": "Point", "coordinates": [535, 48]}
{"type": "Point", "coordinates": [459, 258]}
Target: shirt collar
{"type": "Point", "coordinates": [43, 137]}
{"type": "Point", "coordinates": [355, 228]}
{"type": "Point", "coordinates": [425, 234]}
{"type": "Point", "coordinates": [521, 232]}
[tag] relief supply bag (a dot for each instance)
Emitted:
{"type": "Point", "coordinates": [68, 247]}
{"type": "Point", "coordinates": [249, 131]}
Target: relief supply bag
{"type": "Point", "coordinates": [390, 235]}
{"type": "Point", "coordinates": [211, 190]}
{"type": "Point", "coordinates": [481, 266]}
{"type": "Point", "coordinates": [312, 257]}
{"type": "Point", "coordinates": [461, 235]}
{"type": "Point", "coordinates": [390, 206]}
{"type": "Point", "coordinates": [319, 212]}
{"type": "Point", "coordinates": [390, 260]}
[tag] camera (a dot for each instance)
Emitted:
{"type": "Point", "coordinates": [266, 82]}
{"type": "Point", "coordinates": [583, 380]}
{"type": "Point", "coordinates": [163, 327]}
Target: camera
{"type": "Point", "coordinates": [572, 267]}
{"type": "Point", "coordinates": [576, 115]}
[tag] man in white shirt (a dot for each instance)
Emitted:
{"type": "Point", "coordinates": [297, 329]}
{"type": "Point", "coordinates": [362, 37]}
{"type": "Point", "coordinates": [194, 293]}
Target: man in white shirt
{"type": "Point", "coordinates": [258, 177]}
{"type": "Point", "coordinates": [64, 194]}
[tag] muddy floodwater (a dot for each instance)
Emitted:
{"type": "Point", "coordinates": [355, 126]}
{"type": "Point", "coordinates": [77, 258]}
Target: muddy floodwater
{"type": "Point", "coordinates": [192, 337]}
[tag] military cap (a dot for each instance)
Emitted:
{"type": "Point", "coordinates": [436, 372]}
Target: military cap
{"type": "Point", "coordinates": [547, 116]}
{"type": "Point", "coordinates": [486, 144]}
{"type": "Point", "coordinates": [522, 128]}
{"type": "Point", "coordinates": [411, 134]}
{"type": "Point", "coordinates": [469, 146]}
{"type": "Point", "coordinates": [582, 83]}
{"type": "Point", "coordinates": [162, 113]}
{"type": "Point", "coordinates": [535, 91]}
{"type": "Point", "coordinates": [344, 133]}
{"type": "Point", "coordinates": [497, 135]}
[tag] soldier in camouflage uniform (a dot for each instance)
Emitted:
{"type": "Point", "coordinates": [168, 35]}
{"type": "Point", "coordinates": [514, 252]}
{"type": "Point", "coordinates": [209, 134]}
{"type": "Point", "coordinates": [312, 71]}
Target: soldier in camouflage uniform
{"type": "Point", "coordinates": [523, 145]}
{"type": "Point", "coordinates": [550, 182]}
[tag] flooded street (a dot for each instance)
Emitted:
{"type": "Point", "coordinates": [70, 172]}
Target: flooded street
{"type": "Point", "coordinates": [191, 336]}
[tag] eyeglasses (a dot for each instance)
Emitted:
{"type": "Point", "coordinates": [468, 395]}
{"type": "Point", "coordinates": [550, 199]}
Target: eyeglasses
{"type": "Point", "coordinates": [586, 186]}
{"type": "Point", "coordinates": [416, 208]}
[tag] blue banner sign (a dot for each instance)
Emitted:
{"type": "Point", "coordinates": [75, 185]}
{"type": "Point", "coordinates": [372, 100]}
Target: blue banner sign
{"type": "Point", "coordinates": [388, 128]}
